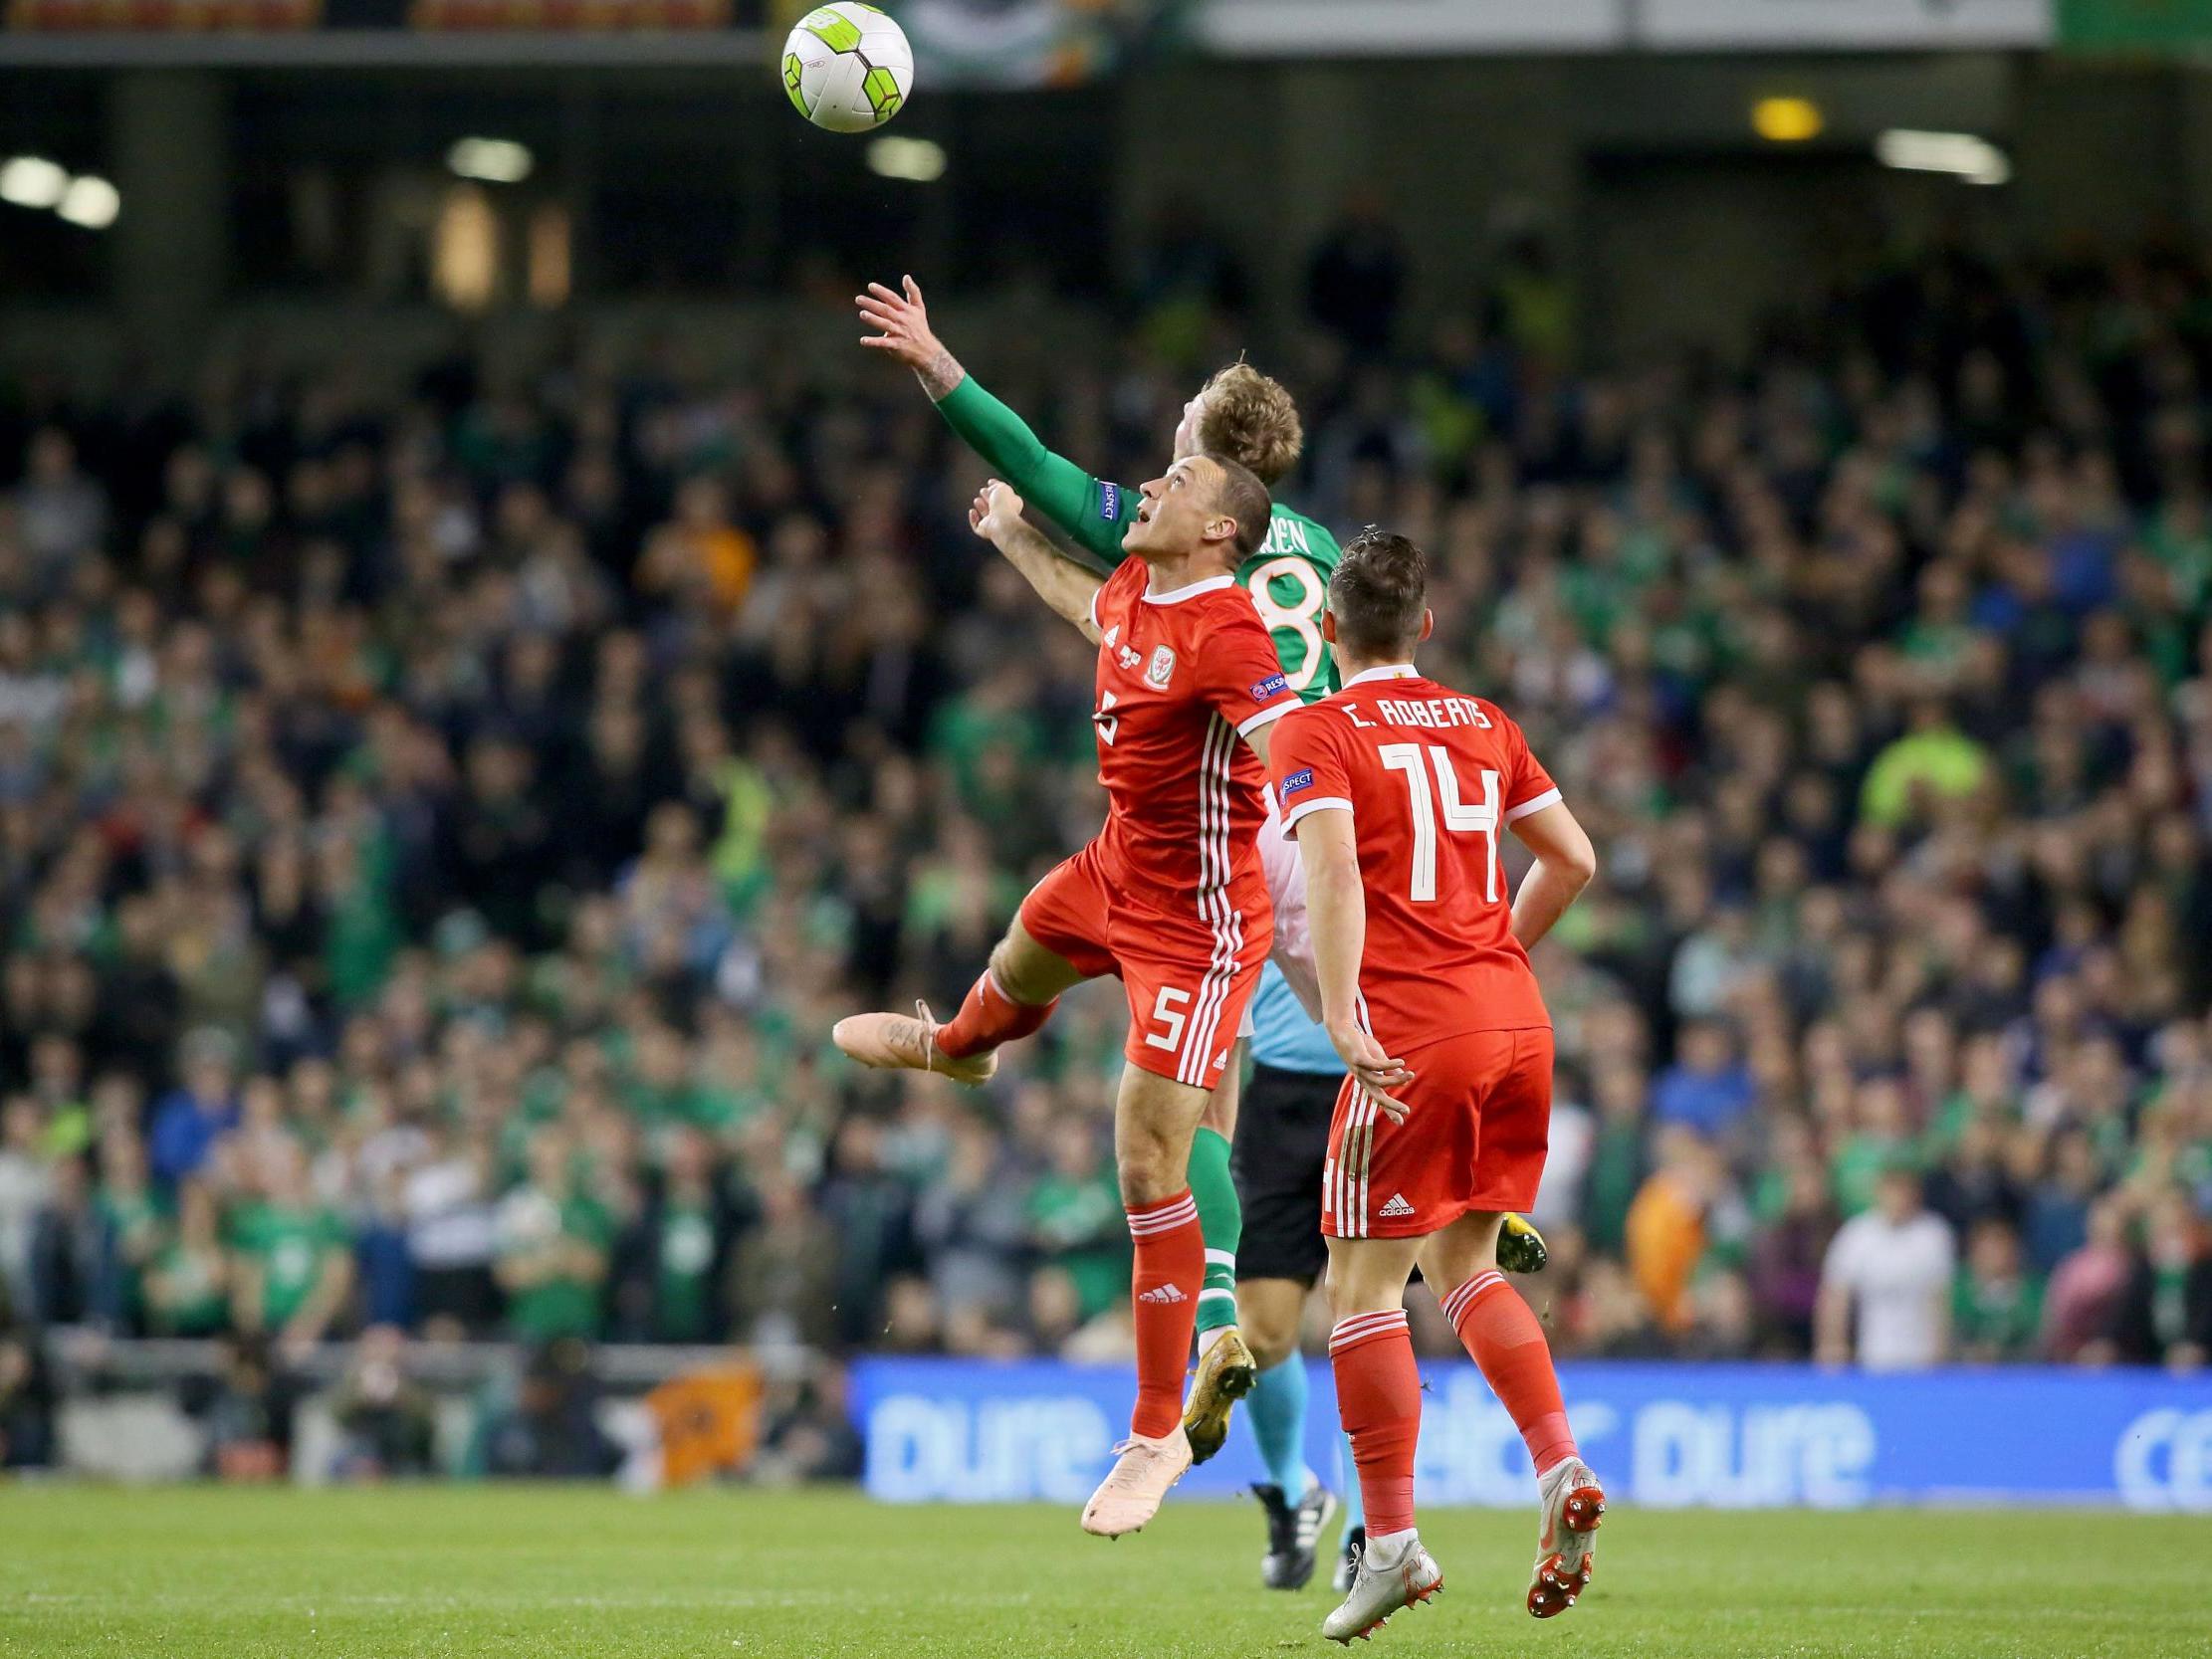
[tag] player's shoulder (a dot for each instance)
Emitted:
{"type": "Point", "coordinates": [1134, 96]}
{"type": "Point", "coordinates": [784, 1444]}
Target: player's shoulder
{"type": "Point", "coordinates": [1307, 717]}
{"type": "Point", "coordinates": [1495, 714]}
{"type": "Point", "coordinates": [1127, 580]}
{"type": "Point", "coordinates": [1224, 603]}
{"type": "Point", "coordinates": [1316, 541]}
{"type": "Point", "coordinates": [1322, 721]}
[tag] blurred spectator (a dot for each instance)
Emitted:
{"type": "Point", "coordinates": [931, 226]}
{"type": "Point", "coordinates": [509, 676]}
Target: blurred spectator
{"type": "Point", "coordinates": [2165, 1315]}
{"type": "Point", "coordinates": [27, 1399]}
{"type": "Point", "coordinates": [674, 1260]}
{"type": "Point", "coordinates": [247, 1412]}
{"type": "Point", "coordinates": [2082, 1302]}
{"type": "Point", "coordinates": [782, 1277]}
{"type": "Point", "coordinates": [551, 1430]}
{"type": "Point", "coordinates": [1886, 1287]}
{"type": "Point", "coordinates": [1786, 1256]}
{"type": "Point", "coordinates": [1996, 1306]}
{"type": "Point", "coordinates": [203, 1106]}
{"type": "Point", "coordinates": [291, 1268]}
{"type": "Point", "coordinates": [188, 1277]}
{"type": "Point", "coordinates": [385, 1420]}
{"type": "Point", "coordinates": [1681, 1213]}
{"type": "Point", "coordinates": [1709, 1089]}
{"type": "Point", "coordinates": [553, 1249]}
{"type": "Point", "coordinates": [26, 1182]}
{"type": "Point", "coordinates": [809, 1435]}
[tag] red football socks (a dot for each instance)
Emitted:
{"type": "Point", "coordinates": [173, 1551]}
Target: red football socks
{"type": "Point", "coordinates": [1171, 1268]}
{"type": "Point", "coordinates": [1378, 1398]}
{"type": "Point", "coordinates": [1502, 1336]}
{"type": "Point", "coordinates": [987, 1017]}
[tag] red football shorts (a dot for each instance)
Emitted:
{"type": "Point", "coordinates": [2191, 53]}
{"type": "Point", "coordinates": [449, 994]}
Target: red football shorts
{"type": "Point", "coordinates": [1189, 976]}
{"type": "Point", "coordinates": [1473, 1138]}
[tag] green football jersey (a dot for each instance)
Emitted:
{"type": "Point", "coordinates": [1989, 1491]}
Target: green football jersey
{"type": "Point", "coordinates": [1289, 577]}
{"type": "Point", "coordinates": [1289, 583]}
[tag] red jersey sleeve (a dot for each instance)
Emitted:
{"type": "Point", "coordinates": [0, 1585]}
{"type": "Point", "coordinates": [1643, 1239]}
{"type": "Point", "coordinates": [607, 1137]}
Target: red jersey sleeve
{"type": "Point", "coordinates": [1529, 788]}
{"type": "Point", "coordinates": [1244, 680]}
{"type": "Point", "coordinates": [1308, 763]}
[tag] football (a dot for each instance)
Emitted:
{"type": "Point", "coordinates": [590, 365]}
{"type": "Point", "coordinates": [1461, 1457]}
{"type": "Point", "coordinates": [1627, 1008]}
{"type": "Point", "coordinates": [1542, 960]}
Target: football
{"type": "Point", "coordinates": [847, 66]}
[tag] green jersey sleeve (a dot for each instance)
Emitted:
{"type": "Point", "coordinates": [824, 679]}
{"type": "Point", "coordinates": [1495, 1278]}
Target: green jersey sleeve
{"type": "Point", "coordinates": [1091, 510]}
{"type": "Point", "coordinates": [1288, 579]}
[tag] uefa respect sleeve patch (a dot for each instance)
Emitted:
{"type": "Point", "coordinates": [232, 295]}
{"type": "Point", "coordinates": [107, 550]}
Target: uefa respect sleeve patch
{"type": "Point", "coordinates": [1302, 780]}
{"type": "Point", "coordinates": [1109, 501]}
{"type": "Point", "coordinates": [1274, 686]}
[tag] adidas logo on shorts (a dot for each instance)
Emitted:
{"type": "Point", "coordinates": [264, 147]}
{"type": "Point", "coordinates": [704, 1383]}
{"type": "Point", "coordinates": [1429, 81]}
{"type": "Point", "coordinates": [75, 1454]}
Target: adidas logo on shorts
{"type": "Point", "coordinates": [1163, 1294]}
{"type": "Point", "coordinates": [1398, 1205]}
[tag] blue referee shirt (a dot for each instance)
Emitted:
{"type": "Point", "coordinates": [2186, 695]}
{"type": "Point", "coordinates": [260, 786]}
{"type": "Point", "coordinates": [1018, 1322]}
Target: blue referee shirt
{"type": "Point", "coordinates": [1282, 1036]}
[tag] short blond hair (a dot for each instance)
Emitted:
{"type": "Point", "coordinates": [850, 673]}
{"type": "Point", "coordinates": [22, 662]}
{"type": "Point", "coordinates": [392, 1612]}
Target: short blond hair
{"type": "Point", "coordinates": [1250, 418]}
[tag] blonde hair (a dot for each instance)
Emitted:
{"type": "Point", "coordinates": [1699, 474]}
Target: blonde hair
{"type": "Point", "coordinates": [1248, 418]}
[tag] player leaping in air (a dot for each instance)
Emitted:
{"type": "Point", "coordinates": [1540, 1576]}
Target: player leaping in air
{"type": "Point", "coordinates": [1397, 789]}
{"type": "Point", "coordinates": [1264, 1255]}
{"type": "Point", "coordinates": [1168, 895]}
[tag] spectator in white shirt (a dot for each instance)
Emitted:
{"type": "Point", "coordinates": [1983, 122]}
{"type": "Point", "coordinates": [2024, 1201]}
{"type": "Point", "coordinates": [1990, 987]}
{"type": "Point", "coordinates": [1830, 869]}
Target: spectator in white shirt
{"type": "Point", "coordinates": [1892, 1266]}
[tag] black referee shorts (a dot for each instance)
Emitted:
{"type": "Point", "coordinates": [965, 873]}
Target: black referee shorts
{"type": "Point", "coordinates": [1282, 1142]}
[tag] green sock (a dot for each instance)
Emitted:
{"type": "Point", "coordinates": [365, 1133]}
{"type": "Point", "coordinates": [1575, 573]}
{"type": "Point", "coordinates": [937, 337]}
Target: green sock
{"type": "Point", "coordinates": [1221, 1220]}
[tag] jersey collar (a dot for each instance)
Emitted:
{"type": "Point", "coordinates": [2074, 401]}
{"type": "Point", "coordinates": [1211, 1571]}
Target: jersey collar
{"type": "Point", "coordinates": [1175, 596]}
{"type": "Point", "coordinates": [1385, 670]}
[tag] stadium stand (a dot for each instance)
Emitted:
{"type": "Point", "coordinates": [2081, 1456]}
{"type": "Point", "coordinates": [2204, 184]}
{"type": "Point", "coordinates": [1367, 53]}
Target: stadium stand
{"type": "Point", "coordinates": [437, 831]}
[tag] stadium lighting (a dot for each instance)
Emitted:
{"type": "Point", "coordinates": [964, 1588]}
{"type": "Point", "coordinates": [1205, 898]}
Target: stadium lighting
{"type": "Point", "coordinates": [89, 201]}
{"type": "Point", "coordinates": [916, 159]}
{"type": "Point", "coordinates": [493, 160]}
{"type": "Point", "coordinates": [32, 181]}
{"type": "Point", "coordinates": [1787, 121]}
{"type": "Point", "coordinates": [1961, 154]}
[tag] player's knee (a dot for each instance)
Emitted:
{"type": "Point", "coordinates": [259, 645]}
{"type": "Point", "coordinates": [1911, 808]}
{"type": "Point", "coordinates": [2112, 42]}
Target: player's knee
{"type": "Point", "coordinates": [1342, 1303]}
{"type": "Point", "coordinates": [1219, 1114]}
{"type": "Point", "coordinates": [1149, 1170]}
{"type": "Point", "coordinates": [1010, 967]}
{"type": "Point", "coordinates": [1272, 1337]}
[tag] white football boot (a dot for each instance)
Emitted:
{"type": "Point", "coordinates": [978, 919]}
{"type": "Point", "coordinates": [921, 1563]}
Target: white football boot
{"type": "Point", "coordinates": [1407, 1579]}
{"type": "Point", "coordinates": [1566, 1547]}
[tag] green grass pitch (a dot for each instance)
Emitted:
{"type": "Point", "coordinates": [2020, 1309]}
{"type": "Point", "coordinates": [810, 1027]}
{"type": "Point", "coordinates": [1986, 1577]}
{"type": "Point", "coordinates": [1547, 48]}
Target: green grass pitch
{"type": "Point", "coordinates": [458, 1570]}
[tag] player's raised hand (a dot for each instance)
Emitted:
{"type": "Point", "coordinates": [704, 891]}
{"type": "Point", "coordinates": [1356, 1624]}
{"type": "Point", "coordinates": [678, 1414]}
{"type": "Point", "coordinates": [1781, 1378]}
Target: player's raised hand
{"type": "Point", "coordinates": [996, 511]}
{"type": "Point", "coordinates": [1376, 1073]}
{"type": "Point", "coordinates": [901, 322]}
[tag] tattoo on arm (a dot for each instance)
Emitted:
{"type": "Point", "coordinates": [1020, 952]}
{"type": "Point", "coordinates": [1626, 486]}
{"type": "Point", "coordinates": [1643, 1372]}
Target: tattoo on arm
{"type": "Point", "coordinates": [940, 375]}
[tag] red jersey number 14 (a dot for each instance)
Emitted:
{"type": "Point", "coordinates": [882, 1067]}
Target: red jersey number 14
{"type": "Point", "coordinates": [1461, 816]}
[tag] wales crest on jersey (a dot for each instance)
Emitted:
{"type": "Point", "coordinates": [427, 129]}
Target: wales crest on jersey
{"type": "Point", "coordinates": [1161, 668]}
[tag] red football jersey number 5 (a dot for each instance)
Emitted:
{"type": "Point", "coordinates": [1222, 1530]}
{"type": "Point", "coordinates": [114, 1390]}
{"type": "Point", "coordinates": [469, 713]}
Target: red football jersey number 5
{"type": "Point", "coordinates": [1460, 817]}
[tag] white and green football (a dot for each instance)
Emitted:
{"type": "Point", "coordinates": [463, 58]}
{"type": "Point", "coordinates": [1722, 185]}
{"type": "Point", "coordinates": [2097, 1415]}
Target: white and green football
{"type": "Point", "coordinates": [847, 66]}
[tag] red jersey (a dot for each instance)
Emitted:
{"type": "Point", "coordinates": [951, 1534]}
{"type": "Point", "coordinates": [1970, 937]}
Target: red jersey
{"type": "Point", "coordinates": [1431, 777]}
{"type": "Point", "coordinates": [1181, 676]}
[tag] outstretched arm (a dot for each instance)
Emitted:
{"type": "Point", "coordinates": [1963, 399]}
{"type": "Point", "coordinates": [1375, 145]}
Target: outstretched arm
{"type": "Point", "coordinates": [1067, 588]}
{"type": "Point", "coordinates": [1086, 508]}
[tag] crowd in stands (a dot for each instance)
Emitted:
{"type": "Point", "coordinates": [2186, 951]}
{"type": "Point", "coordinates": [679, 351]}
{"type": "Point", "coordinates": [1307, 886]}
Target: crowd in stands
{"type": "Point", "coordinates": [438, 829]}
